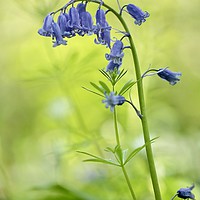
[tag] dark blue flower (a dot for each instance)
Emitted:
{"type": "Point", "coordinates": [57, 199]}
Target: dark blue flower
{"type": "Point", "coordinates": [62, 22]}
{"type": "Point", "coordinates": [46, 30]}
{"type": "Point", "coordinates": [137, 14]}
{"type": "Point", "coordinates": [112, 66]}
{"type": "Point", "coordinates": [101, 19]}
{"type": "Point", "coordinates": [103, 37]}
{"type": "Point", "coordinates": [81, 8]}
{"type": "Point", "coordinates": [86, 21]}
{"type": "Point", "coordinates": [185, 193]}
{"type": "Point", "coordinates": [116, 53]}
{"type": "Point", "coordinates": [57, 35]}
{"type": "Point", "coordinates": [87, 26]}
{"type": "Point", "coordinates": [171, 77]}
{"type": "Point", "coordinates": [102, 29]}
{"type": "Point", "coordinates": [112, 100]}
{"type": "Point", "coordinates": [74, 19]}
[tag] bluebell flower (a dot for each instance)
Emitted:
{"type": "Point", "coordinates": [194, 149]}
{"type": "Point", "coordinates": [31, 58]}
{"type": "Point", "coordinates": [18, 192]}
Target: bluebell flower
{"type": "Point", "coordinates": [81, 7]}
{"type": "Point", "coordinates": [86, 21]}
{"type": "Point", "coordinates": [185, 193]}
{"type": "Point", "coordinates": [137, 14]}
{"type": "Point", "coordinates": [74, 19]}
{"type": "Point", "coordinates": [62, 22]}
{"type": "Point", "coordinates": [171, 77]}
{"type": "Point", "coordinates": [112, 66]}
{"type": "Point", "coordinates": [102, 29]}
{"type": "Point", "coordinates": [46, 30]}
{"type": "Point", "coordinates": [101, 19]}
{"type": "Point", "coordinates": [57, 35]}
{"type": "Point", "coordinates": [112, 100]}
{"type": "Point", "coordinates": [116, 53]}
{"type": "Point", "coordinates": [87, 26]}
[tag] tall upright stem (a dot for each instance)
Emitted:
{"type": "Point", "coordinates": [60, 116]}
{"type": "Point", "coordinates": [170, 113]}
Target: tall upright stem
{"type": "Point", "coordinates": [145, 128]}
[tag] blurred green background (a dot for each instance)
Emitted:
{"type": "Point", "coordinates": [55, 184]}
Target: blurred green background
{"type": "Point", "coordinates": [45, 115]}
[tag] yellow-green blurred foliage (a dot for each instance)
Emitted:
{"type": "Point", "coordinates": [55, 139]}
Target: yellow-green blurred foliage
{"type": "Point", "coordinates": [45, 115]}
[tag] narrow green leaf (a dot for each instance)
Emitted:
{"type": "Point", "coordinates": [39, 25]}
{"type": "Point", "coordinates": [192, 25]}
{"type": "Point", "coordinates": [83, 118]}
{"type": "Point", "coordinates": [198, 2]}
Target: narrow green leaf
{"type": "Point", "coordinates": [88, 154]}
{"type": "Point", "coordinates": [124, 153]}
{"type": "Point", "coordinates": [98, 88]}
{"type": "Point", "coordinates": [105, 74]}
{"type": "Point", "coordinates": [97, 159]}
{"type": "Point", "coordinates": [101, 161]}
{"type": "Point", "coordinates": [92, 91]}
{"type": "Point", "coordinates": [126, 87]}
{"type": "Point", "coordinates": [119, 154]}
{"type": "Point", "coordinates": [135, 151]}
{"type": "Point", "coordinates": [105, 87]}
{"type": "Point", "coordinates": [121, 74]}
{"type": "Point", "coordinates": [109, 149]}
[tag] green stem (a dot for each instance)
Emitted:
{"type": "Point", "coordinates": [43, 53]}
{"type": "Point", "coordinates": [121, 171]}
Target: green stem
{"type": "Point", "coordinates": [145, 128]}
{"type": "Point", "coordinates": [122, 166]}
{"type": "Point", "coordinates": [128, 182]}
{"type": "Point", "coordinates": [116, 128]}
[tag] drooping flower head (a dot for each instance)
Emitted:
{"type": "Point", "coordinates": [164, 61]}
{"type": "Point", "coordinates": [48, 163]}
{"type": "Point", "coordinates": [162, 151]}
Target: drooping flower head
{"type": "Point", "coordinates": [81, 8]}
{"type": "Point", "coordinates": [116, 53]}
{"type": "Point", "coordinates": [74, 19]}
{"type": "Point", "coordinates": [185, 193]}
{"type": "Point", "coordinates": [101, 19]}
{"type": "Point", "coordinates": [63, 19]}
{"type": "Point", "coordinates": [102, 29]}
{"type": "Point", "coordinates": [57, 35]}
{"type": "Point", "coordinates": [86, 21]}
{"type": "Point", "coordinates": [87, 26]}
{"type": "Point", "coordinates": [171, 77]}
{"type": "Point", "coordinates": [112, 100]}
{"type": "Point", "coordinates": [137, 14]}
{"type": "Point", "coordinates": [46, 30]}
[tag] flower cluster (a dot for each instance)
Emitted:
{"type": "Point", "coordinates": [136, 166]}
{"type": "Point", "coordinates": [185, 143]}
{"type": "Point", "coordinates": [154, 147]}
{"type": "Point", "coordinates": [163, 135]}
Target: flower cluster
{"type": "Point", "coordinates": [76, 21]}
{"type": "Point", "coordinates": [79, 21]}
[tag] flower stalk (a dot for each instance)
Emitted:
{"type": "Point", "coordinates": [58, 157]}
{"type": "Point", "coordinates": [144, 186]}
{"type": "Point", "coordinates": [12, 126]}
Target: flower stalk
{"type": "Point", "coordinates": [122, 165]}
{"type": "Point", "coordinates": [144, 122]}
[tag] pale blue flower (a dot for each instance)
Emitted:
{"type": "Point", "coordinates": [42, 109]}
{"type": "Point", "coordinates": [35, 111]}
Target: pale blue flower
{"type": "Point", "coordinates": [112, 100]}
{"type": "Point", "coordinates": [137, 14]}
{"type": "Point", "coordinates": [171, 77]}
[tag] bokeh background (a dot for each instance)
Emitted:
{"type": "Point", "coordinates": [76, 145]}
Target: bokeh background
{"type": "Point", "coordinates": [46, 116]}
